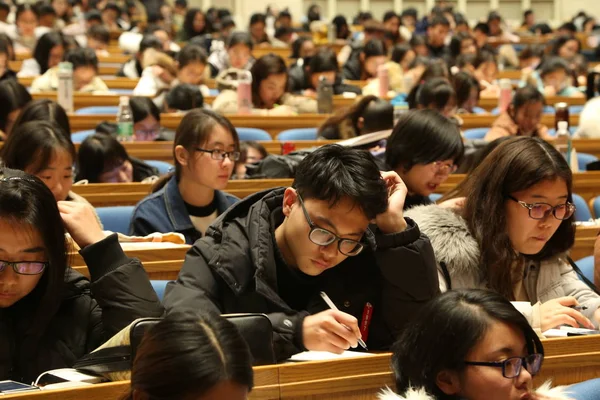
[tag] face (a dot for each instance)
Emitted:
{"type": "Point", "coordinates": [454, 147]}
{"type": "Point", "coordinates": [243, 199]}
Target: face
{"type": "Point", "coordinates": [27, 22]}
{"type": "Point", "coordinates": [528, 117]}
{"type": "Point", "coordinates": [557, 79]}
{"type": "Point", "coordinates": [437, 35]}
{"type": "Point", "coordinates": [199, 22]}
{"type": "Point", "coordinates": [487, 71]}
{"type": "Point", "coordinates": [109, 16]}
{"type": "Point", "coordinates": [253, 155]}
{"type": "Point", "coordinates": [316, 77]}
{"type": "Point", "coordinates": [569, 49]}
{"type": "Point", "coordinates": [147, 129]}
{"type": "Point", "coordinates": [501, 341]}
{"type": "Point", "coordinates": [60, 6]}
{"type": "Point", "coordinates": [372, 63]}
{"type": "Point", "coordinates": [408, 59]}
{"type": "Point", "coordinates": [10, 120]}
{"type": "Point", "coordinates": [58, 175]}
{"type": "Point", "coordinates": [468, 46]}
{"type": "Point", "coordinates": [96, 44]}
{"type": "Point", "coordinates": [343, 219]}
{"type": "Point", "coordinates": [18, 242]}
{"type": "Point", "coordinates": [191, 73]}
{"type": "Point", "coordinates": [257, 31]}
{"type": "Point", "coordinates": [201, 168]}
{"type": "Point", "coordinates": [308, 49]}
{"type": "Point", "coordinates": [409, 21]}
{"type": "Point", "coordinates": [530, 19]}
{"type": "Point", "coordinates": [47, 21]}
{"type": "Point", "coordinates": [164, 38]}
{"type": "Point", "coordinates": [285, 22]}
{"type": "Point", "coordinates": [122, 173]}
{"type": "Point", "coordinates": [494, 26]}
{"type": "Point", "coordinates": [462, 27]}
{"type": "Point", "coordinates": [528, 235]}
{"type": "Point", "coordinates": [3, 15]}
{"type": "Point", "coordinates": [226, 390]}
{"type": "Point", "coordinates": [425, 179]}
{"type": "Point", "coordinates": [271, 89]}
{"type": "Point", "coordinates": [392, 25]}
{"type": "Point", "coordinates": [480, 38]}
{"type": "Point", "coordinates": [472, 100]}
{"type": "Point", "coordinates": [239, 55]}
{"type": "Point", "coordinates": [83, 76]}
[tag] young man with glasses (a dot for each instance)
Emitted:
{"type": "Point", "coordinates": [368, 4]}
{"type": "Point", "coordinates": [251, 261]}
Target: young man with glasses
{"type": "Point", "coordinates": [339, 229]}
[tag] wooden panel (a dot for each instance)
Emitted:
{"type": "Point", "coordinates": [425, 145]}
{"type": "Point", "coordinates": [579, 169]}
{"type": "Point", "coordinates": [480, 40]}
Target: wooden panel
{"type": "Point", "coordinates": [491, 103]}
{"type": "Point", "coordinates": [157, 254]}
{"type": "Point", "coordinates": [483, 121]}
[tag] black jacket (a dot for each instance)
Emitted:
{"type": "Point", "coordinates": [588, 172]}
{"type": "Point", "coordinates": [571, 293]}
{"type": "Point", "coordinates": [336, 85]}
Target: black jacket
{"type": "Point", "coordinates": [233, 270]}
{"type": "Point", "coordinates": [299, 82]}
{"type": "Point", "coordinates": [90, 313]}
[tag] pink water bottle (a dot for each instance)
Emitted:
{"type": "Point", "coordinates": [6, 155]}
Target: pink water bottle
{"type": "Point", "coordinates": [244, 92]}
{"type": "Point", "coordinates": [384, 80]}
{"type": "Point", "coordinates": [505, 95]}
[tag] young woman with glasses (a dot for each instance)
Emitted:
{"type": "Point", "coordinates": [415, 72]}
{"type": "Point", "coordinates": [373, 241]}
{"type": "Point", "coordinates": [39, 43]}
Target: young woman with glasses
{"type": "Point", "coordinates": [512, 233]}
{"type": "Point", "coordinates": [51, 315]}
{"type": "Point", "coordinates": [472, 345]}
{"type": "Point", "coordinates": [188, 200]}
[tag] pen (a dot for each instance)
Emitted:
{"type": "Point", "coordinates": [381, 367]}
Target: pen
{"type": "Point", "coordinates": [333, 307]}
{"type": "Point", "coordinates": [579, 308]}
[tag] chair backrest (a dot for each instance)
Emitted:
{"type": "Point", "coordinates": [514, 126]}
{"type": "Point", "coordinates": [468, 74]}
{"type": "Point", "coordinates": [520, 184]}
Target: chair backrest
{"type": "Point", "coordinates": [583, 159]}
{"type": "Point", "coordinates": [476, 133]}
{"type": "Point", "coordinates": [586, 265]}
{"type": "Point", "coordinates": [575, 110]}
{"type": "Point", "coordinates": [596, 207]}
{"type": "Point", "coordinates": [78, 137]}
{"type": "Point", "coordinates": [252, 134]}
{"type": "Point", "coordinates": [545, 110]}
{"type": "Point", "coordinates": [298, 134]}
{"type": "Point", "coordinates": [97, 110]}
{"type": "Point", "coordinates": [479, 110]}
{"type": "Point", "coordinates": [116, 219]}
{"type": "Point", "coordinates": [582, 213]}
{"type": "Point", "coordinates": [163, 167]}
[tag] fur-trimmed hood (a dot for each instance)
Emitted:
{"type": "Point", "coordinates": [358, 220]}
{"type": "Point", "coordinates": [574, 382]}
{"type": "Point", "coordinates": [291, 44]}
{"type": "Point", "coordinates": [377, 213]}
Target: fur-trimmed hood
{"type": "Point", "coordinates": [557, 393]}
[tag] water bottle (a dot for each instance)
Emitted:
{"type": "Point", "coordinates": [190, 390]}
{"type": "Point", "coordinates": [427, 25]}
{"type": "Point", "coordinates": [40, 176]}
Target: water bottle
{"type": "Point", "coordinates": [563, 140]}
{"type": "Point", "coordinates": [324, 96]}
{"type": "Point", "coordinates": [561, 113]}
{"type": "Point", "coordinates": [384, 80]}
{"type": "Point", "coordinates": [505, 95]}
{"type": "Point", "coordinates": [399, 109]}
{"type": "Point", "coordinates": [244, 92]}
{"type": "Point", "coordinates": [331, 33]}
{"type": "Point", "coordinates": [65, 86]}
{"type": "Point", "coordinates": [124, 121]}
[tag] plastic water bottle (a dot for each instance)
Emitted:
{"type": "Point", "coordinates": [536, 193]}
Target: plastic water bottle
{"type": "Point", "coordinates": [505, 95]}
{"type": "Point", "coordinates": [244, 92]}
{"type": "Point", "coordinates": [324, 96]}
{"type": "Point", "coordinates": [124, 121]}
{"type": "Point", "coordinates": [563, 140]}
{"type": "Point", "coordinates": [384, 80]}
{"type": "Point", "coordinates": [65, 86]}
{"type": "Point", "coordinates": [331, 33]}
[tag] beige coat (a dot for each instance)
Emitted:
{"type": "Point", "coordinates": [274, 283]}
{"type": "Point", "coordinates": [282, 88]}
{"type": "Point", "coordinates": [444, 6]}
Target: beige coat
{"type": "Point", "coordinates": [49, 83]}
{"type": "Point", "coordinates": [226, 103]}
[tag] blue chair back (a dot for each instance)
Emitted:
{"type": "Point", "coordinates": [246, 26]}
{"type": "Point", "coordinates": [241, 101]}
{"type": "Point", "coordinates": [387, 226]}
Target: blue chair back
{"type": "Point", "coordinates": [78, 137]}
{"type": "Point", "coordinates": [163, 167]}
{"type": "Point", "coordinates": [583, 159]}
{"type": "Point", "coordinates": [97, 110]}
{"type": "Point", "coordinates": [582, 213]}
{"type": "Point", "coordinates": [479, 110]}
{"type": "Point", "coordinates": [252, 134]}
{"type": "Point", "coordinates": [586, 265]}
{"type": "Point", "coordinates": [545, 110]}
{"type": "Point", "coordinates": [435, 197]}
{"type": "Point", "coordinates": [596, 207]}
{"type": "Point", "coordinates": [298, 134]}
{"type": "Point", "coordinates": [575, 110]}
{"type": "Point", "coordinates": [476, 133]}
{"type": "Point", "coordinates": [116, 219]}
{"type": "Point", "coordinates": [159, 287]}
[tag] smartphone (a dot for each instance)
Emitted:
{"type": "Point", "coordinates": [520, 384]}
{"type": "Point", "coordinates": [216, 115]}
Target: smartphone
{"type": "Point", "coordinates": [7, 387]}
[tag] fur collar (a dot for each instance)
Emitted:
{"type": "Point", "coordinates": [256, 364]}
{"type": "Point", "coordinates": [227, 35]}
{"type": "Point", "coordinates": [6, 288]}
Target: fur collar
{"type": "Point", "coordinates": [557, 393]}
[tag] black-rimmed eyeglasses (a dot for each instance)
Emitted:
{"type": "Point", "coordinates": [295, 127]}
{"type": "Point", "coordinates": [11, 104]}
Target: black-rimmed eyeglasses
{"type": "Point", "coordinates": [511, 367]}
{"type": "Point", "coordinates": [323, 237]}
{"type": "Point", "coordinates": [220, 155]}
{"type": "Point", "coordinates": [541, 210]}
{"type": "Point", "coordinates": [24, 267]}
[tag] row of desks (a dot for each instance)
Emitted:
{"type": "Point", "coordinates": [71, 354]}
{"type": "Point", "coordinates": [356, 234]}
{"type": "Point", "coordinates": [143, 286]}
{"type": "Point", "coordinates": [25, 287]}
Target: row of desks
{"type": "Point", "coordinates": [567, 361]}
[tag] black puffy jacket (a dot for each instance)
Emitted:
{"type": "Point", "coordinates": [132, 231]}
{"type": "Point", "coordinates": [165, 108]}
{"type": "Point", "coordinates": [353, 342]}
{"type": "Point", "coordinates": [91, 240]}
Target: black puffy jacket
{"type": "Point", "coordinates": [90, 313]}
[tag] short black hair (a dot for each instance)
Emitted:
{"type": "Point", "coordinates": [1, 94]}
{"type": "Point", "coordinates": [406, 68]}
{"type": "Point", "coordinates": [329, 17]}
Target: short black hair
{"type": "Point", "coordinates": [258, 18]}
{"type": "Point", "coordinates": [325, 60]}
{"type": "Point", "coordinates": [82, 57]}
{"type": "Point", "coordinates": [98, 153]}
{"type": "Point", "coordinates": [99, 33]}
{"type": "Point", "coordinates": [93, 15]}
{"type": "Point", "coordinates": [417, 40]}
{"type": "Point", "coordinates": [410, 12]}
{"type": "Point", "coordinates": [283, 31]}
{"type": "Point", "coordinates": [463, 84]}
{"type": "Point", "coordinates": [389, 15]}
{"type": "Point", "coordinates": [525, 95]}
{"type": "Point", "coordinates": [46, 9]}
{"type": "Point", "coordinates": [333, 172]}
{"type": "Point", "coordinates": [483, 28]}
{"type": "Point", "coordinates": [41, 52]}
{"type": "Point", "coordinates": [554, 64]}
{"type": "Point", "coordinates": [437, 92]}
{"type": "Point", "coordinates": [399, 52]}
{"type": "Point", "coordinates": [494, 16]}
{"type": "Point", "coordinates": [13, 96]}
{"type": "Point", "coordinates": [4, 7]}
{"type": "Point", "coordinates": [143, 107]}
{"type": "Point", "coordinates": [533, 50]}
{"type": "Point", "coordinates": [191, 53]}
{"type": "Point", "coordinates": [285, 14]}
{"type": "Point", "coordinates": [484, 57]}
{"type": "Point", "coordinates": [374, 48]}
{"type": "Point", "coordinates": [439, 20]}
{"type": "Point", "coordinates": [568, 26]}
{"type": "Point", "coordinates": [527, 13]}
{"type": "Point", "coordinates": [438, 139]}
{"type": "Point", "coordinates": [240, 37]}
{"type": "Point", "coordinates": [112, 6]}
{"type": "Point", "coordinates": [149, 42]}
{"type": "Point", "coordinates": [227, 22]}
{"type": "Point", "coordinates": [184, 97]}
{"type": "Point", "coordinates": [181, 3]}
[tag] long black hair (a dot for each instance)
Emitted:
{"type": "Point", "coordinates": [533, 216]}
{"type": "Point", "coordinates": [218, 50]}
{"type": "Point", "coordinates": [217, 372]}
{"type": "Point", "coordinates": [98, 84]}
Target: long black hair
{"type": "Point", "coordinates": [45, 110]}
{"type": "Point", "coordinates": [99, 153]}
{"type": "Point", "coordinates": [13, 96]}
{"type": "Point", "coordinates": [45, 44]}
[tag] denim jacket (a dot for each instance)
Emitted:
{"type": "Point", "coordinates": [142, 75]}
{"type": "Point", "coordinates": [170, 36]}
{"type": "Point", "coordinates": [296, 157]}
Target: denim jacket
{"type": "Point", "coordinates": [164, 211]}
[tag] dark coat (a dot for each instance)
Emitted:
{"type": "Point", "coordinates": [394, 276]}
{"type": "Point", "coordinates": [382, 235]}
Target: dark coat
{"type": "Point", "coordinates": [89, 314]}
{"type": "Point", "coordinates": [233, 270]}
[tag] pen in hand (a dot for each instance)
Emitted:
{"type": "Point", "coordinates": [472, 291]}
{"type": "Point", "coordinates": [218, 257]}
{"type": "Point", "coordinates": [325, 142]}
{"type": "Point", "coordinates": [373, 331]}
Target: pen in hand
{"type": "Point", "coordinates": [333, 307]}
{"type": "Point", "coordinates": [579, 308]}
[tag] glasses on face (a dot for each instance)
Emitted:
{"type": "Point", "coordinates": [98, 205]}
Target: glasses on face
{"type": "Point", "coordinates": [511, 367]}
{"type": "Point", "coordinates": [444, 169]}
{"type": "Point", "coordinates": [323, 237]}
{"type": "Point", "coordinates": [541, 210]}
{"type": "Point", "coordinates": [220, 155]}
{"type": "Point", "coordinates": [24, 267]}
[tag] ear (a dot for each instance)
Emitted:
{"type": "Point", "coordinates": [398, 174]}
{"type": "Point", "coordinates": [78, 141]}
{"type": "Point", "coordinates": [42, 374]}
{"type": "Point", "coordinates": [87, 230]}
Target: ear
{"type": "Point", "coordinates": [182, 156]}
{"type": "Point", "coordinates": [448, 382]}
{"type": "Point", "coordinates": [360, 123]}
{"type": "Point", "coordinates": [289, 199]}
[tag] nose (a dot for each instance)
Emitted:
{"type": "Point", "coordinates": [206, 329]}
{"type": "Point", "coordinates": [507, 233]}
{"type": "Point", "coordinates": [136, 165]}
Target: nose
{"type": "Point", "coordinates": [227, 162]}
{"type": "Point", "coordinates": [57, 191]}
{"type": "Point", "coordinates": [523, 381]}
{"type": "Point", "coordinates": [329, 251]}
{"type": "Point", "coordinates": [8, 278]}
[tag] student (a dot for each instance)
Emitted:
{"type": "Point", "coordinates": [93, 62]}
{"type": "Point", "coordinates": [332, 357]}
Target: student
{"type": "Point", "coordinates": [52, 315]}
{"type": "Point", "coordinates": [44, 110]}
{"type": "Point", "coordinates": [187, 201]}
{"type": "Point", "coordinates": [404, 55]}
{"type": "Point", "coordinates": [257, 30]}
{"type": "Point", "coordinates": [24, 32]}
{"type": "Point", "coordinates": [5, 52]}
{"type": "Point", "coordinates": [85, 74]}
{"type": "Point", "coordinates": [305, 79]}
{"type": "Point", "coordinates": [467, 91]}
{"type": "Point", "coordinates": [435, 94]}
{"type": "Point", "coordinates": [472, 345]}
{"type": "Point", "coordinates": [283, 37]}
{"type": "Point", "coordinates": [342, 29]}
{"type": "Point", "coordinates": [419, 45]}
{"type": "Point", "coordinates": [161, 73]}
{"type": "Point", "coordinates": [528, 20]}
{"type": "Point", "coordinates": [566, 47]}
{"type": "Point", "coordinates": [486, 72]}
{"type": "Point", "coordinates": [46, 16]}
{"type": "Point", "coordinates": [270, 94]}
{"type": "Point", "coordinates": [146, 119]}
{"type": "Point", "coordinates": [250, 153]}
{"type": "Point", "coordinates": [133, 68]}
{"type": "Point", "coordinates": [194, 24]}
{"type": "Point", "coordinates": [314, 236]}
{"type": "Point", "coordinates": [102, 159]}
{"type": "Point", "coordinates": [437, 31]}
{"type": "Point", "coordinates": [302, 48]}
{"type": "Point", "coordinates": [238, 54]}
{"type": "Point", "coordinates": [183, 97]}
{"type": "Point", "coordinates": [365, 65]}
{"type": "Point", "coordinates": [110, 17]}
{"type": "Point", "coordinates": [62, 9]}
{"type": "Point", "coordinates": [98, 38]}
{"type": "Point", "coordinates": [527, 184]}
{"type": "Point", "coordinates": [13, 97]}
{"type": "Point", "coordinates": [391, 23]}
{"type": "Point", "coordinates": [423, 161]}
{"type": "Point", "coordinates": [462, 43]}
{"type": "Point", "coordinates": [187, 356]}
{"type": "Point", "coordinates": [368, 115]}
{"type": "Point", "coordinates": [48, 52]}
{"type": "Point", "coordinates": [531, 57]}
{"type": "Point", "coordinates": [415, 71]}
{"type": "Point", "coordinates": [4, 12]}
{"type": "Point", "coordinates": [556, 79]}
{"type": "Point", "coordinates": [522, 118]}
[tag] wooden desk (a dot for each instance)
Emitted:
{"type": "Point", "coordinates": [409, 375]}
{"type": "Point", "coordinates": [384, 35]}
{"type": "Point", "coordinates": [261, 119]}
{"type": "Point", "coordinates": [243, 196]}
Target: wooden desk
{"type": "Point", "coordinates": [339, 102]}
{"type": "Point", "coordinates": [111, 82]}
{"type": "Point", "coordinates": [585, 237]}
{"type": "Point", "coordinates": [486, 121]}
{"type": "Point", "coordinates": [490, 103]}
